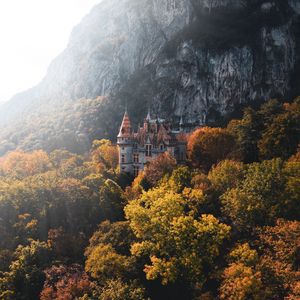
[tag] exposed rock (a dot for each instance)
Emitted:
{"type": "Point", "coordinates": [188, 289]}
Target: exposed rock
{"type": "Point", "coordinates": [196, 58]}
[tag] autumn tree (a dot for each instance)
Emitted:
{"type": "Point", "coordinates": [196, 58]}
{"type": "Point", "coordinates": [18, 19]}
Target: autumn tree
{"type": "Point", "coordinates": [208, 146]}
{"type": "Point", "coordinates": [177, 244]}
{"type": "Point", "coordinates": [104, 155]}
{"type": "Point", "coordinates": [65, 283]}
{"type": "Point", "coordinates": [162, 165]}
{"type": "Point", "coordinates": [19, 164]}
{"type": "Point", "coordinates": [241, 279]}
{"type": "Point", "coordinates": [104, 263]}
{"type": "Point", "coordinates": [279, 263]}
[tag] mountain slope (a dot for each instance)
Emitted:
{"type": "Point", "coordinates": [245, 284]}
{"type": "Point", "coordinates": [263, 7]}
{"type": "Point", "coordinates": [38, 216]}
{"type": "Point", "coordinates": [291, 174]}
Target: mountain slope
{"type": "Point", "coordinates": [196, 58]}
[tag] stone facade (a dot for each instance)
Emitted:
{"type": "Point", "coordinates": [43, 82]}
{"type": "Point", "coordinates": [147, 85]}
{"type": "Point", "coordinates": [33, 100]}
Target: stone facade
{"type": "Point", "coordinates": [155, 137]}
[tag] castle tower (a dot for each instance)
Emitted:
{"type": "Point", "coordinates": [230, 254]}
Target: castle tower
{"type": "Point", "coordinates": [181, 124]}
{"type": "Point", "coordinates": [147, 121]}
{"type": "Point", "coordinates": [125, 144]}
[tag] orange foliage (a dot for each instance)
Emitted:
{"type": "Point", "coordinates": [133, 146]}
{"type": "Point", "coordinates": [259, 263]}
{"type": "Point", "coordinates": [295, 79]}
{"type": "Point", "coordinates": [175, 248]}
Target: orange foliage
{"type": "Point", "coordinates": [241, 282]}
{"type": "Point", "coordinates": [280, 260]}
{"type": "Point", "coordinates": [65, 283]}
{"type": "Point", "coordinates": [19, 164]}
{"type": "Point", "coordinates": [160, 166]}
{"type": "Point", "coordinates": [208, 146]}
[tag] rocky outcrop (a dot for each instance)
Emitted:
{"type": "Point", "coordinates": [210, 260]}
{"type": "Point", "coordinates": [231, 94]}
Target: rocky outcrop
{"type": "Point", "coordinates": [193, 58]}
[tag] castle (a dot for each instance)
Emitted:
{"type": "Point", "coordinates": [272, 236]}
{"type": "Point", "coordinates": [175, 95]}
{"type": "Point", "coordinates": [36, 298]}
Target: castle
{"type": "Point", "coordinates": [155, 137]}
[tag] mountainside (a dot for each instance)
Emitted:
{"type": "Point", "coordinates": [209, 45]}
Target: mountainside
{"type": "Point", "coordinates": [198, 59]}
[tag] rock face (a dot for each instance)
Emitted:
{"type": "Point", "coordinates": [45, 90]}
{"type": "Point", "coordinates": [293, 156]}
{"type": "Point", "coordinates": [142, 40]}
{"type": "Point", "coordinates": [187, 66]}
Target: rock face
{"type": "Point", "coordinates": [193, 58]}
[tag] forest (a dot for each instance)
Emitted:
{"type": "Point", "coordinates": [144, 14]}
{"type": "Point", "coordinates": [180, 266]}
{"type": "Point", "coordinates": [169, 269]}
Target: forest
{"type": "Point", "coordinates": [226, 225]}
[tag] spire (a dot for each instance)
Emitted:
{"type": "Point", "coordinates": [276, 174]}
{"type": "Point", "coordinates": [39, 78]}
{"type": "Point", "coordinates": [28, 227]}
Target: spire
{"type": "Point", "coordinates": [148, 118]}
{"type": "Point", "coordinates": [181, 124]}
{"type": "Point", "coordinates": [181, 121]}
{"type": "Point", "coordinates": [125, 129]}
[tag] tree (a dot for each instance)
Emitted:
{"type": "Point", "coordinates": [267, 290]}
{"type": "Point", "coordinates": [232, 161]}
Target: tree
{"type": "Point", "coordinates": [291, 192]}
{"type": "Point", "coordinates": [119, 290]}
{"type": "Point", "coordinates": [208, 146]}
{"type": "Point", "coordinates": [177, 245]}
{"type": "Point", "coordinates": [112, 200]}
{"type": "Point", "coordinates": [26, 278]}
{"type": "Point", "coordinates": [181, 178]}
{"type": "Point", "coordinates": [19, 164]}
{"type": "Point", "coordinates": [104, 263]}
{"type": "Point", "coordinates": [226, 175]}
{"type": "Point", "coordinates": [118, 234]}
{"type": "Point", "coordinates": [247, 133]}
{"type": "Point", "coordinates": [65, 283]}
{"type": "Point", "coordinates": [279, 262]}
{"type": "Point", "coordinates": [282, 137]}
{"type": "Point", "coordinates": [241, 282]}
{"type": "Point", "coordinates": [104, 155]}
{"type": "Point", "coordinates": [162, 165]}
{"type": "Point", "coordinates": [241, 279]}
{"type": "Point", "coordinates": [257, 201]}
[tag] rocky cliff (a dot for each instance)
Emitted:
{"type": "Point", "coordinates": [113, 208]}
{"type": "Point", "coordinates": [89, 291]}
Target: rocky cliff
{"type": "Point", "coordinates": [196, 58]}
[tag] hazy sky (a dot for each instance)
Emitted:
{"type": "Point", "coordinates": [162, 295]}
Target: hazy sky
{"type": "Point", "coordinates": [32, 33]}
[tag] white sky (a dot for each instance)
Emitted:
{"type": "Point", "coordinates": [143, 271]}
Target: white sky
{"type": "Point", "coordinates": [32, 34]}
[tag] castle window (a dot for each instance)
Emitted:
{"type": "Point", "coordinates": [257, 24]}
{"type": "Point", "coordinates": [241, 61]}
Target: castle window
{"type": "Point", "coordinates": [135, 158]}
{"type": "Point", "coordinates": [136, 170]}
{"type": "Point", "coordinates": [161, 147]}
{"type": "Point", "coordinates": [148, 150]}
{"type": "Point", "coordinates": [181, 156]}
{"type": "Point", "coordinates": [123, 158]}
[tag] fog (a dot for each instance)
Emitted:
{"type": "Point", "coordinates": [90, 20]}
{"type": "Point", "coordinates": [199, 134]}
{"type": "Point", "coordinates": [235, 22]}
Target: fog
{"type": "Point", "coordinates": [32, 33]}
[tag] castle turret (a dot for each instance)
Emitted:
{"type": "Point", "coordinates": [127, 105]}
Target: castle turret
{"type": "Point", "coordinates": [147, 121]}
{"type": "Point", "coordinates": [181, 124]}
{"type": "Point", "coordinates": [125, 143]}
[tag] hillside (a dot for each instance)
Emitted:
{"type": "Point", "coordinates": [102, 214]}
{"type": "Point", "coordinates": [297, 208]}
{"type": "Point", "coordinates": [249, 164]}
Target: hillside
{"type": "Point", "coordinates": [224, 226]}
{"type": "Point", "coordinates": [196, 58]}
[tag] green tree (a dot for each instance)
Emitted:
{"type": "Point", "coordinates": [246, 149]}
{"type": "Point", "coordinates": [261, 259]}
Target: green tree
{"type": "Point", "coordinates": [247, 133]}
{"type": "Point", "coordinates": [257, 200]}
{"type": "Point", "coordinates": [282, 136]}
{"type": "Point", "coordinates": [112, 200]}
{"type": "Point", "coordinates": [181, 178]}
{"type": "Point", "coordinates": [226, 175]}
{"type": "Point", "coordinates": [25, 278]}
{"type": "Point", "coordinates": [104, 263]}
{"type": "Point", "coordinates": [119, 290]}
{"type": "Point", "coordinates": [118, 234]}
